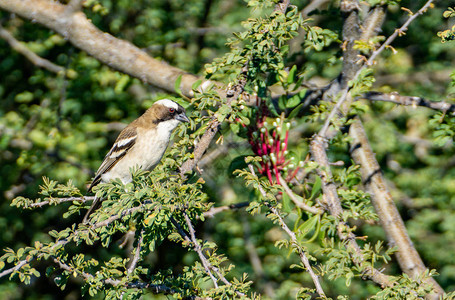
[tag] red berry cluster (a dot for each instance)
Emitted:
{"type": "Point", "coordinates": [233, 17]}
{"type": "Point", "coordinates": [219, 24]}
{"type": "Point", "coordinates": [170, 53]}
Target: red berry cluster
{"type": "Point", "coordinates": [269, 140]}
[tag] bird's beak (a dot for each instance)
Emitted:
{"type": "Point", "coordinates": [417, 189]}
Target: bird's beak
{"type": "Point", "coordinates": [182, 118]}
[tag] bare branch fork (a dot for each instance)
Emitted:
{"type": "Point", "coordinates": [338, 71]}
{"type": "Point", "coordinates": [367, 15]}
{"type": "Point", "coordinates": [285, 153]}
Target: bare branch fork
{"type": "Point", "coordinates": [293, 238]}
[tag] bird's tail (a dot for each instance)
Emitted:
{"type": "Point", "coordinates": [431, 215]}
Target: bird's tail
{"type": "Point", "coordinates": [96, 203]}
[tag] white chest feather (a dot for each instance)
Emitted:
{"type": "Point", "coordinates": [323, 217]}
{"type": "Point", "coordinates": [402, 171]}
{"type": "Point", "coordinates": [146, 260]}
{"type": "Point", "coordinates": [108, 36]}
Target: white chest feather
{"type": "Point", "coordinates": [146, 153]}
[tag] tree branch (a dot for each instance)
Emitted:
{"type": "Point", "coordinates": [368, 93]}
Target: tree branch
{"type": "Point", "coordinates": [19, 265]}
{"type": "Point", "coordinates": [262, 278]}
{"type": "Point", "coordinates": [156, 288]}
{"type": "Point", "coordinates": [318, 151]}
{"type": "Point", "coordinates": [350, 63]}
{"type": "Point", "coordinates": [137, 253]}
{"type": "Point", "coordinates": [400, 31]}
{"type": "Point", "coordinates": [198, 249]}
{"type": "Point", "coordinates": [30, 55]}
{"type": "Point", "coordinates": [231, 94]}
{"type": "Point", "coordinates": [119, 54]}
{"type": "Point", "coordinates": [297, 202]}
{"type": "Point", "coordinates": [408, 101]}
{"type": "Point", "coordinates": [196, 246]}
{"type": "Point", "coordinates": [61, 200]}
{"type": "Point", "coordinates": [293, 238]}
{"type": "Point", "coordinates": [215, 210]}
{"type": "Point", "coordinates": [407, 256]}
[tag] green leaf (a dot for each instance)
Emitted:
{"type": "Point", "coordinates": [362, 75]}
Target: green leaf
{"type": "Point", "coordinates": [235, 127]}
{"type": "Point", "coordinates": [286, 203]}
{"type": "Point", "coordinates": [177, 85]}
{"type": "Point", "coordinates": [195, 85]}
{"type": "Point", "coordinates": [295, 111]}
{"type": "Point", "coordinates": [291, 75]}
{"type": "Point", "coordinates": [282, 102]}
{"type": "Point", "coordinates": [308, 225]}
{"type": "Point", "coordinates": [316, 188]}
{"type": "Point", "coordinates": [293, 101]}
{"type": "Point", "coordinates": [237, 163]}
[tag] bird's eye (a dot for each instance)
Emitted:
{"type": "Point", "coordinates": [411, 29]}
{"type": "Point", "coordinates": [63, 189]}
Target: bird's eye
{"type": "Point", "coordinates": [171, 110]}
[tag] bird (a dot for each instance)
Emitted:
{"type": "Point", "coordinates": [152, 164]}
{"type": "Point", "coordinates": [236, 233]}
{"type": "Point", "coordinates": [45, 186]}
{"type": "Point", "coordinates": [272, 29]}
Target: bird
{"type": "Point", "coordinates": [140, 144]}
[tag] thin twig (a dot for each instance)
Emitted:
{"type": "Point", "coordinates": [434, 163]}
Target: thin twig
{"type": "Point", "coordinates": [30, 55]}
{"type": "Point", "coordinates": [232, 93]}
{"type": "Point", "coordinates": [198, 249]}
{"type": "Point", "coordinates": [137, 253]}
{"type": "Point", "coordinates": [370, 61]}
{"type": "Point", "coordinates": [400, 31]}
{"type": "Point", "coordinates": [62, 200]}
{"type": "Point", "coordinates": [215, 210]}
{"type": "Point", "coordinates": [262, 278]}
{"type": "Point", "coordinates": [408, 101]}
{"type": "Point", "coordinates": [196, 246]}
{"type": "Point", "coordinates": [297, 202]}
{"type": "Point", "coordinates": [156, 288]}
{"type": "Point", "coordinates": [335, 110]}
{"type": "Point", "coordinates": [19, 265]}
{"type": "Point", "coordinates": [113, 218]}
{"type": "Point", "coordinates": [293, 238]}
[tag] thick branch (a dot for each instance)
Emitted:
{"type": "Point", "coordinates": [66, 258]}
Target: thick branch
{"type": "Point", "coordinates": [118, 54]}
{"type": "Point", "coordinates": [407, 256]}
{"type": "Point", "coordinates": [317, 148]}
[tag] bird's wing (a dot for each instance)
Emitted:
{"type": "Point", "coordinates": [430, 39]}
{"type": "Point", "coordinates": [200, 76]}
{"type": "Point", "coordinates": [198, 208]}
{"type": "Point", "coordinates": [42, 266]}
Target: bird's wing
{"type": "Point", "coordinates": [124, 143]}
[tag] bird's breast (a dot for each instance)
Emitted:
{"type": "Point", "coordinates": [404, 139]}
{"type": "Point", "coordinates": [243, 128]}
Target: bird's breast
{"type": "Point", "coordinates": [145, 154]}
{"type": "Point", "coordinates": [149, 148]}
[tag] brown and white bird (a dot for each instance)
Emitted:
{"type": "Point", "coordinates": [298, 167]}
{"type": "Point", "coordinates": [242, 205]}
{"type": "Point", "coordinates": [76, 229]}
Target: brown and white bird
{"type": "Point", "coordinates": [141, 144]}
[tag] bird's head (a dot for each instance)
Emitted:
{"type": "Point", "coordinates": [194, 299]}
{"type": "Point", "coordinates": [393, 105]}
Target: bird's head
{"type": "Point", "coordinates": [167, 114]}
